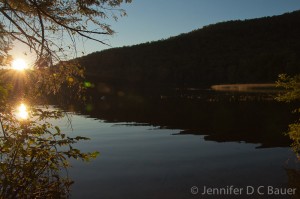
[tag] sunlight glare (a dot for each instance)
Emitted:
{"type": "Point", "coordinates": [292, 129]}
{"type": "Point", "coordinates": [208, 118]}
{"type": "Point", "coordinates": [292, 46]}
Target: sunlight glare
{"type": "Point", "coordinates": [22, 112]}
{"type": "Point", "coordinates": [19, 64]}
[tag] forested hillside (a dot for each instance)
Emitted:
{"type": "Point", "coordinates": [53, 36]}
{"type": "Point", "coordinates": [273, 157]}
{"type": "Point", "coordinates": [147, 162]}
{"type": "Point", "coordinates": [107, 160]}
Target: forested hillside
{"type": "Point", "coordinates": [249, 51]}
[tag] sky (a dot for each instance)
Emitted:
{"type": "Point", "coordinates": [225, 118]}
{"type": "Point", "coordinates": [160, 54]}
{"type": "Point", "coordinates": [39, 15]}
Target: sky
{"type": "Point", "coordinates": [151, 20]}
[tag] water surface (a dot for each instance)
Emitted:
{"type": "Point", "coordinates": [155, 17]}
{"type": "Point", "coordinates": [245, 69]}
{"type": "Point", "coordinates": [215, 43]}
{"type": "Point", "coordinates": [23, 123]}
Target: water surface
{"type": "Point", "coordinates": [161, 147]}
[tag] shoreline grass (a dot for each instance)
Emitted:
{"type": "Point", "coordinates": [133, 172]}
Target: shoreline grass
{"type": "Point", "coordinates": [267, 87]}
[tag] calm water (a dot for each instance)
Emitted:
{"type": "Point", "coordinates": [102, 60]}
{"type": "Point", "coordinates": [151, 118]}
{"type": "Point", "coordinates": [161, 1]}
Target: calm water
{"type": "Point", "coordinates": [160, 147]}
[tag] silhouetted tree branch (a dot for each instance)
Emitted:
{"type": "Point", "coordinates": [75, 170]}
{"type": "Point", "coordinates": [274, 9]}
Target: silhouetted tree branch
{"type": "Point", "coordinates": [42, 24]}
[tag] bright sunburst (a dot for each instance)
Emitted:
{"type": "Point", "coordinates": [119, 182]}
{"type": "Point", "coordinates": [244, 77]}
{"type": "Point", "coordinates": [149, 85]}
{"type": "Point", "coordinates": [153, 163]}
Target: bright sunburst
{"type": "Point", "coordinates": [19, 64]}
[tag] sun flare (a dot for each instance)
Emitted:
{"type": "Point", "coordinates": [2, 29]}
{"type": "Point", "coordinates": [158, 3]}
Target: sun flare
{"type": "Point", "coordinates": [19, 64]}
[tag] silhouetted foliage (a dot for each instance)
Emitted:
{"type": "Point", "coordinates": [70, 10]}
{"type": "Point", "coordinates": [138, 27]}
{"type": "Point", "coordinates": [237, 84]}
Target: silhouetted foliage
{"type": "Point", "coordinates": [34, 154]}
{"type": "Point", "coordinates": [292, 85]}
{"type": "Point", "coordinates": [51, 28]}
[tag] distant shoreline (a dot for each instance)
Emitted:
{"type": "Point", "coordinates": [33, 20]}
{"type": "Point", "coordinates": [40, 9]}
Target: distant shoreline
{"type": "Point", "coordinates": [267, 87]}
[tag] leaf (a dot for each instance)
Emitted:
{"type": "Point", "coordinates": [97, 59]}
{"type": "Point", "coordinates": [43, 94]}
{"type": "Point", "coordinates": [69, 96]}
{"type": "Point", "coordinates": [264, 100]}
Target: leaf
{"type": "Point", "coordinates": [57, 129]}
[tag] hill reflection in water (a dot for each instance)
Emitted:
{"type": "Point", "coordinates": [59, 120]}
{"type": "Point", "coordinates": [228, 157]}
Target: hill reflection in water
{"type": "Point", "coordinates": [220, 116]}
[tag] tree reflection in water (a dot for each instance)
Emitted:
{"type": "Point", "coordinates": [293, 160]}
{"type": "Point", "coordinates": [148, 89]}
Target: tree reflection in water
{"type": "Point", "coordinates": [294, 180]}
{"type": "Point", "coordinates": [34, 156]}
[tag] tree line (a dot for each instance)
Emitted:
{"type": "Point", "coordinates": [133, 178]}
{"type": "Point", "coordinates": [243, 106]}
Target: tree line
{"type": "Point", "coordinates": [242, 51]}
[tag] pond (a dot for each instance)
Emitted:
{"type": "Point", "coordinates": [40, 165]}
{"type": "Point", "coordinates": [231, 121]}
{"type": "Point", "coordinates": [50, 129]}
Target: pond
{"type": "Point", "coordinates": [194, 144]}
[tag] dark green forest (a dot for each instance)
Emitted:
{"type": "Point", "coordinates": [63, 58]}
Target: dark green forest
{"type": "Point", "coordinates": [242, 51]}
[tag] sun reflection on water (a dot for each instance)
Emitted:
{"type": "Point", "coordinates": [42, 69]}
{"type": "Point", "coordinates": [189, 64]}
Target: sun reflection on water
{"type": "Point", "coordinates": [22, 112]}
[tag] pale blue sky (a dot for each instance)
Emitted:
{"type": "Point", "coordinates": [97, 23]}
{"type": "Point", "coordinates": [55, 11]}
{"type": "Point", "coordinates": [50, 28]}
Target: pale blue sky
{"type": "Point", "coordinates": [159, 19]}
{"type": "Point", "coordinates": [151, 20]}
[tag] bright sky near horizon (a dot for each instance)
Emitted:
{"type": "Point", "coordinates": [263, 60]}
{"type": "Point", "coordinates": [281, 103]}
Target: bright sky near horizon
{"type": "Point", "coordinates": [160, 19]}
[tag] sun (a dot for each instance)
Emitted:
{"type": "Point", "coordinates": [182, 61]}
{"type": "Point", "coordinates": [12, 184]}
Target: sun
{"type": "Point", "coordinates": [19, 64]}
